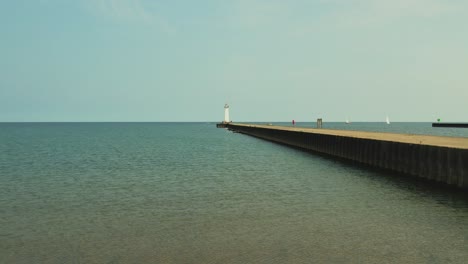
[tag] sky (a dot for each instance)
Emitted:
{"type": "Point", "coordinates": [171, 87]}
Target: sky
{"type": "Point", "coordinates": [270, 60]}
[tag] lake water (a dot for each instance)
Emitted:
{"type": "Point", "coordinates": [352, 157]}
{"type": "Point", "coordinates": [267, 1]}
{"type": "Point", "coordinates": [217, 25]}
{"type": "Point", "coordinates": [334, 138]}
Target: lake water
{"type": "Point", "coordinates": [191, 193]}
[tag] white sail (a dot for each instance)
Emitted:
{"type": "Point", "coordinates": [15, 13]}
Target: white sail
{"type": "Point", "coordinates": [388, 121]}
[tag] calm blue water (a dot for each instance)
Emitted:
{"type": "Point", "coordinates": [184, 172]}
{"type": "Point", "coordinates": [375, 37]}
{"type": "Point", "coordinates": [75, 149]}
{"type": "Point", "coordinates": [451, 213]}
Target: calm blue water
{"type": "Point", "coordinates": [191, 193]}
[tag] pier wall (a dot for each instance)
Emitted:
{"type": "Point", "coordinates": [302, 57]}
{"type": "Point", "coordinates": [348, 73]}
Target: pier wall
{"type": "Point", "coordinates": [441, 164]}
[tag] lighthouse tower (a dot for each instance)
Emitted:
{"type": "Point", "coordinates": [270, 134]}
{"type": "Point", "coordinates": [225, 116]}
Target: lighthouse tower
{"type": "Point", "coordinates": [226, 113]}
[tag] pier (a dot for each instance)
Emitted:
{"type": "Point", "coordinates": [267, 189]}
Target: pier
{"type": "Point", "coordinates": [440, 159]}
{"type": "Point", "coordinates": [222, 125]}
{"type": "Point", "coordinates": [459, 125]}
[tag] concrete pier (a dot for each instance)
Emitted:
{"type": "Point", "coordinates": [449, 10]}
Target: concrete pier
{"type": "Point", "coordinates": [459, 125]}
{"type": "Point", "coordinates": [440, 159]}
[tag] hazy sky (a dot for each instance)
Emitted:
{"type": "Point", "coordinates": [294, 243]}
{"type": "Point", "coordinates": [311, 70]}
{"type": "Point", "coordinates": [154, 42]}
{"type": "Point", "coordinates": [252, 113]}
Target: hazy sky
{"type": "Point", "coordinates": [174, 60]}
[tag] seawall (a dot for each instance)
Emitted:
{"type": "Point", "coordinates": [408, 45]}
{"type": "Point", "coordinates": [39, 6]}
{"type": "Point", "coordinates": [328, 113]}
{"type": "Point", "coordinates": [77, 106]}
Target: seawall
{"type": "Point", "coordinates": [440, 159]}
{"type": "Point", "coordinates": [459, 125]}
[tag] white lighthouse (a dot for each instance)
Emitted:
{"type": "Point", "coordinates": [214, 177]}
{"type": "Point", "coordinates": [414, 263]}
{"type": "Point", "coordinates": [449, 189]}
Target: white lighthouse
{"type": "Point", "coordinates": [226, 113]}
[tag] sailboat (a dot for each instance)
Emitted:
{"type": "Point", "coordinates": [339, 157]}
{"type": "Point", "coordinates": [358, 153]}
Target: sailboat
{"type": "Point", "coordinates": [347, 121]}
{"type": "Point", "coordinates": [387, 121]}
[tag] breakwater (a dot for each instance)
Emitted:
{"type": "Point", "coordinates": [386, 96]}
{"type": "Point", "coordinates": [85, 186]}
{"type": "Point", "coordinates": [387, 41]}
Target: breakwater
{"type": "Point", "coordinates": [440, 159]}
{"type": "Point", "coordinates": [460, 125]}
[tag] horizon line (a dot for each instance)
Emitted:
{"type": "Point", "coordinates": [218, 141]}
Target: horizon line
{"type": "Point", "coordinates": [332, 121]}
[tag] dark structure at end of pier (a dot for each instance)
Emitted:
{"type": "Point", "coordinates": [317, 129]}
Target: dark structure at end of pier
{"type": "Point", "coordinates": [440, 159]}
{"type": "Point", "coordinates": [222, 124]}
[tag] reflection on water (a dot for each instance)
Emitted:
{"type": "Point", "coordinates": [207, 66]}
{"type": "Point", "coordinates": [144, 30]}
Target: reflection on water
{"type": "Point", "coordinates": [190, 193]}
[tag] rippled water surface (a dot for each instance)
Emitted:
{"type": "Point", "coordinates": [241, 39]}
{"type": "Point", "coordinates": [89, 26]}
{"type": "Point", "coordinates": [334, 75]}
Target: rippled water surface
{"type": "Point", "coordinates": [191, 193]}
